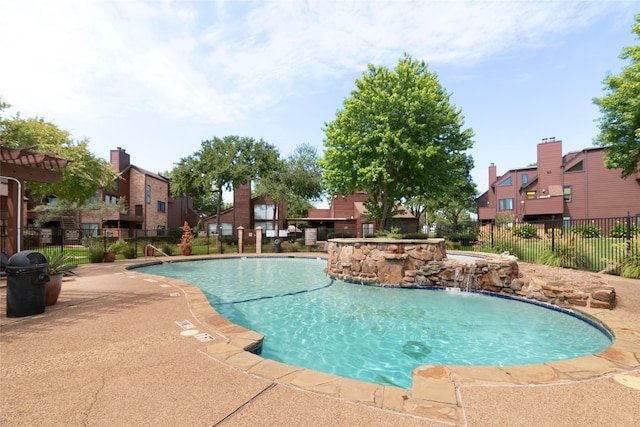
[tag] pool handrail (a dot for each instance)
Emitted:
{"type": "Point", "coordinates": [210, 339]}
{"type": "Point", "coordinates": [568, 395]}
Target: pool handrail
{"type": "Point", "coordinates": [155, 250]}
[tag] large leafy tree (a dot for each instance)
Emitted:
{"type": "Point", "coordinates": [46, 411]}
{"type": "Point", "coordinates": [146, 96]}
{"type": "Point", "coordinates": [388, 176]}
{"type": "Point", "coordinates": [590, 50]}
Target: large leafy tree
{"type": "Point", "coordinates": [453, 205]}
{"type": "Point", "coordinates": [223, 164]}
{"type": "Point", "coordinates": [297, 181]}
{"type": "Point", "coordinates": [83, 176]}
{"type": "Point", "coordinates": [620, 108]}
{"type": "Point", "coordinates": [398, 136]}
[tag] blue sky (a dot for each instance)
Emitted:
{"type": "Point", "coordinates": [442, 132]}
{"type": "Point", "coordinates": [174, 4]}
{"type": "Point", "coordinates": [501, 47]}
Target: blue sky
{"type": "Point", "coordinates": [158, 77]}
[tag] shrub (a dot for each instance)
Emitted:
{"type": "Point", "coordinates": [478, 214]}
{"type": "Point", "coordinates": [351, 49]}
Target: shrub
{"type": "Point", "coordinates": [565, 255]}
{"type": "Point", "coordinates": [452, 245]}
{"type": "Point", "coordinates": [167, 248]}
{"type": "Point", "coordinates": [186, 241]}
{"type": "Point", "coordinates": [203, 241]}
{"type": "Point", "coordinates": [589, 231]}
{"type": "Point", "coordinates": [631, 267]}
{"type": "Point", "coordinates": [96, 254]}
{"type": "Point", "coordinates": [230, 240]}
{"type": "Point", "coordinates": [525, 231]}
{"type": "Point", "coordinates": [620, 230]}
{"type": "Point", "coordinates": [290, 247]}
{"type": "Point", "coordinates": [555, 233]}
{"type": "Point", "coordinates": [130, 251]}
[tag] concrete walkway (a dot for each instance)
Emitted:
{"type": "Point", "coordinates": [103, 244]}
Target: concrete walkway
{"type": "Point", "coordinates": [118, 350]}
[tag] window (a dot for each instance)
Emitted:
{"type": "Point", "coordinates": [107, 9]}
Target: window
{"type": "Point", "coordinates": [505, 204]}
{"type": "Point", "coordinates": [148, 194]}
{"type": "Point", "coordinates": [578, 167]}
{"type": "Point", "coordinates": [264, 212]}
{"type": "Point", "coordinates": [162, 207]}
{"type": "Point", "coordinates": [567, 193]}
{"type": "Point", "coordinates": [266, 225]}
{"type": "Point", "coordinates": [525, 178]}
{"type": "Point", "coordinates": [226, 229]}
{"type": "Point", "coordinates": [138, 209]}
{"type": "Point", "coordinates": [505, 183]}
{"type": "Point", "coordinates": [531, 195]}
{"type": "Point", "coordinates": [367, 229]}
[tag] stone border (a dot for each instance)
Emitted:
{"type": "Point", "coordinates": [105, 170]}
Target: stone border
{"type": "Point", "coordinates": [434, 390]}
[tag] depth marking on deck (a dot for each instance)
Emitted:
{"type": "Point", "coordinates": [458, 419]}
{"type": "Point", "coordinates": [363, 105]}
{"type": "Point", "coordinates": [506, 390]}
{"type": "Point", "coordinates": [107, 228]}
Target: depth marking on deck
{"type": "Point", "coordinates": [204, 337]}
{"type": "Point", "coordinates": [185, 324]}
{"type": "Point", "coordinates": [164, 285]}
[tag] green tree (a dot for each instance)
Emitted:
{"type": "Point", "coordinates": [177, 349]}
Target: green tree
{"type": "Point", "coordinates": [620, 109]}
{"type": "Point", "coordinates": [222, 164]}
{"type": "Point", "coordinates": [93, 208]}
{"type": "Point", "coordinates": [298, 181]}
{"type": "Point", "coordinates": [83, 176]}
{"type": "Point", "coordinates": [398, 136]}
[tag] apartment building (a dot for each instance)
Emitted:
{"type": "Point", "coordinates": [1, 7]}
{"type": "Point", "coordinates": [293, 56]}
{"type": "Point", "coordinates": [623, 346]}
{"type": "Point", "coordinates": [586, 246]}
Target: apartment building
{"type": "Point", "coordinates": [576, 185]}
{"type": "Point", "coordinates": [249, 212]}
{"type": "Point", "coordinates": [150, 207]}
{"type": "Point", "coordinates": [348, 214]}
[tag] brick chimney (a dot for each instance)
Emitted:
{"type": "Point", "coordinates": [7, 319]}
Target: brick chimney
{"type": "Point", "coordinates": [492, 174]}
{"type": "Point", "coordinates": [120, 159]}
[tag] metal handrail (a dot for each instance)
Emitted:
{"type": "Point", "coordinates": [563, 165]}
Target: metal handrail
{"type": "Point", "coordinates": [155, 249]}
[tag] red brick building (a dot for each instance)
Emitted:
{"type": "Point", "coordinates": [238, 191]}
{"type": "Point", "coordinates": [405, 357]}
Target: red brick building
{"type": "Point", "coordinates": [574, 186]}
{"type": "Point", "coordinates": [249, 213]}
{"type": "Point", "coordinates": [150, 207]}
{"type": "Point", "coordinates": [347, 214]}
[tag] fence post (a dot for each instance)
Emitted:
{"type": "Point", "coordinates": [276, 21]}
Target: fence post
{"type": "Point", "coordinates": [628, 233]}
{"type": "Point", "coordinates": [553, 233]}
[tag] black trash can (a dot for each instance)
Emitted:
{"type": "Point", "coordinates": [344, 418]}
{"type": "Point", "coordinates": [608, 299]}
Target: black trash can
{"type": "Point", "coordinates": [276, 246]}
{"type": "Point", "coordinates": [26, 284]}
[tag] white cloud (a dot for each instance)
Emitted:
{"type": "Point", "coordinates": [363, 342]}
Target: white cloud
{"type": "Point", "coordinates": [219, 61]}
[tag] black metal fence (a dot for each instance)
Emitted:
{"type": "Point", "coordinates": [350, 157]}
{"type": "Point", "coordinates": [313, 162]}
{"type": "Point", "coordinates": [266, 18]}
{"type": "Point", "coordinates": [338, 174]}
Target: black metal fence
{"type": "Point", "coordinates": [597, 244]}
{"type": "Point", "coordinates": [600, 244]}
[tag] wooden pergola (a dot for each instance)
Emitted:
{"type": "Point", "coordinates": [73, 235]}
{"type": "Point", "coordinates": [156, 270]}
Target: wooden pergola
{"type": "Point", "coordinates": [16, 166]}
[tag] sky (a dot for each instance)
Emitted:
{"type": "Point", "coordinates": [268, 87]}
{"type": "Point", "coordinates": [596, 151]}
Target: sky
{"type": "Point", "coordinates": [158, 77]}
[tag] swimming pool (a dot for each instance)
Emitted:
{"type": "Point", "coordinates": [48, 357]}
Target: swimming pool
{"type": "Point", "coordinates": [378, 334]}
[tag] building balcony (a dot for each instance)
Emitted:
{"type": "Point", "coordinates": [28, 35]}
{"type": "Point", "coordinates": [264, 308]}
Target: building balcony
{"type": "Point", "coordinates": [551, 205]}
{"type": "Point", "coordinates": [486, 213]}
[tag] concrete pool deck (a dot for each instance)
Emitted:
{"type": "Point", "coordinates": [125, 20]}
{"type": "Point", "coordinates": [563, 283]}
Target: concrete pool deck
{"type": "Point", "coordinates": [116, 350]}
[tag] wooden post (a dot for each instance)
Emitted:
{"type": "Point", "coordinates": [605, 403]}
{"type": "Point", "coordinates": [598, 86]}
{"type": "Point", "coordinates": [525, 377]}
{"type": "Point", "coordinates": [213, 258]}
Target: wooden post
{"type": "Point", "coordinates": [240, 239]}
{"type": "Point", "coordinates": [258, 240]}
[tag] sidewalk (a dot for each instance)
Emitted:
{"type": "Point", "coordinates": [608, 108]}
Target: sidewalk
{"type": "Point", "coordinates": [111, 353]}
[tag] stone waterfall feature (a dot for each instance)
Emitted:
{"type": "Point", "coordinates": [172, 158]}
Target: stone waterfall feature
{"type": "Point", "coordinates": [416, 263]}
{"type": "Point", "coordinates": [424, 264]}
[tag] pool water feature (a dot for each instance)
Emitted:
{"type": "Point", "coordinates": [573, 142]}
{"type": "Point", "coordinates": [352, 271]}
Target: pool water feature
{"type": "Point", "coordinates": [380, 334]}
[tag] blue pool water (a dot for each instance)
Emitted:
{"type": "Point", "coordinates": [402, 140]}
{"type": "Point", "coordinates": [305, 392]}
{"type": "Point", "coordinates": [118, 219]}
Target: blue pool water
{"type": "Point", "coordinates": [378, 334]}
